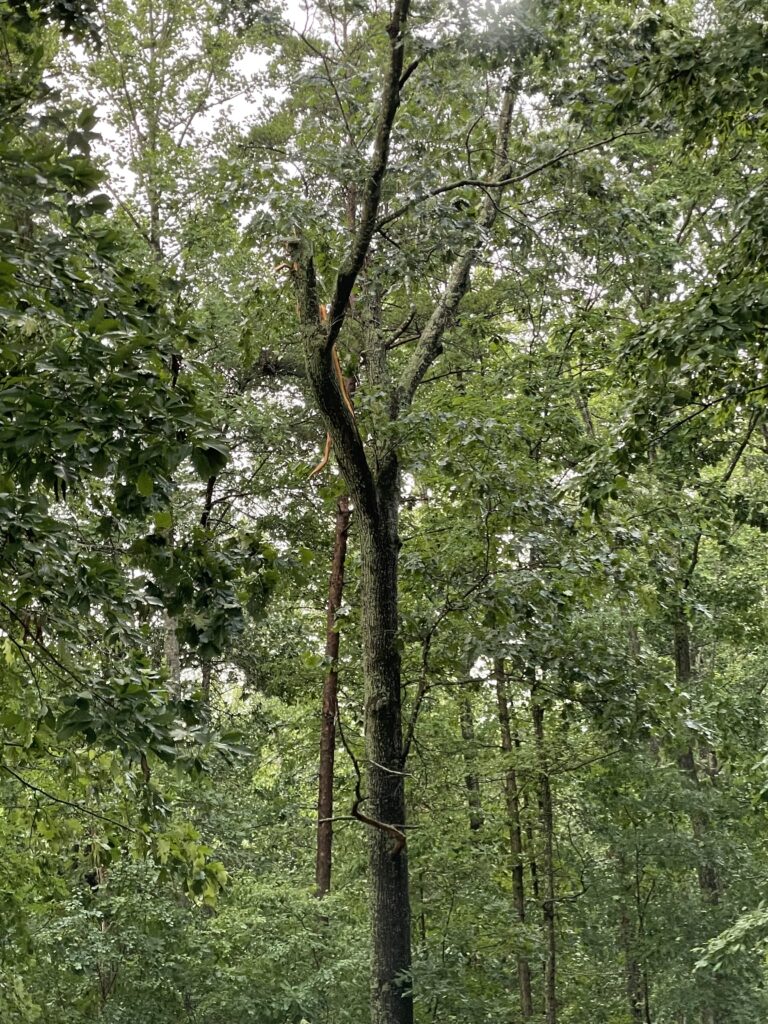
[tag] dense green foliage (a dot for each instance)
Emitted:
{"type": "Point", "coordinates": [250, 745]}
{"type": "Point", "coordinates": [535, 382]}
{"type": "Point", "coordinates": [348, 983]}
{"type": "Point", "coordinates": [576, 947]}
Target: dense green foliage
{"type": "Point", "coordinates": [583, 515]}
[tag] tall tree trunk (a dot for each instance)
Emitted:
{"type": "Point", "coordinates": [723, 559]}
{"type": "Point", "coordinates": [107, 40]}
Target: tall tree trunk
{"type": "Point", "coordinates": [512, 794]}
{"type": "Point", "coordinates": [546, 818]}
{"type": "Point", "coordinates": [391, 1002]}
{"type": "Point", "coordinates": [709, 885]}
{"type": "Point", "coordinates": [323, 862]}
{"type": "Point", "coordinates": [471, 780]}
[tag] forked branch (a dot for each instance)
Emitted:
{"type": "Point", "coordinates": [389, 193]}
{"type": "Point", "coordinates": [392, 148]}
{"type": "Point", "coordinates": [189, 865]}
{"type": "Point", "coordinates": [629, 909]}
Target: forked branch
{"type": "Point", "coordinates": [326, 383]}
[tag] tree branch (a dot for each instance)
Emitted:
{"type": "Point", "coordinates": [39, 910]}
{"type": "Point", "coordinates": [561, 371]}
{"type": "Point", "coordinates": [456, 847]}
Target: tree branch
{"type": "Point", "coordinates": [326, 384]}
{"type": "Point", "coordinates": [754, 419]}
{"type": "Point", "coordinates": [390, 101]}
{"type": "Point", "coordinates": [409, 71]}
{"type": "Point", "coordinates": [392, 830]}
{"type": "Point", "coordinates": [430, 342]}
{"type": "Point", "coordinates": [66, 803]}
{"type": "Point", "coordinates": [505, 180]}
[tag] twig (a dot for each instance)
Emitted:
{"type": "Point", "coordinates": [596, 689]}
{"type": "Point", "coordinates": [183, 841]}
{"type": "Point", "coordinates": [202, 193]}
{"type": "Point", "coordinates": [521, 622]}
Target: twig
{"type": "Point", "coordinates": [505, 181]}
{"type": "Point", "coordinates": [66, 803]}
{"type": "Point", "coordinates": [382, 826]}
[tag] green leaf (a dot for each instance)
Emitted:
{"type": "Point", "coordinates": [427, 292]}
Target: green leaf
{"type": "Point", "coordinates": [144, 484]}
{"type": "Point", "coordinates": [164, 519]}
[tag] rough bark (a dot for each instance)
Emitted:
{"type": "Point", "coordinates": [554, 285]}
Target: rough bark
{"type": "Point", "coordinates": [323, 864]}
{"type": "Point", "coordinates": [512, 794]}
{"type": "Point", "coordinates": [391, 1002]}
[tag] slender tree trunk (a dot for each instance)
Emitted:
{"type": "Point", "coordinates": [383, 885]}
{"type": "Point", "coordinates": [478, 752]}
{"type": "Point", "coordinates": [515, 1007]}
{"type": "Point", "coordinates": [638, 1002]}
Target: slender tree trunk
{"type": "Point", "coordinates": [628, 934]}
{"type": "Point", "coordinates": [172, 654]}
{"type": "Point", "coordinates": [422, 912]}
{"type": "Point", "coordinates": [641, 906]}
{"type": "Point", "coordinates": [206, 664]}
{"type": "Point", "coordinates": [512, 794]}
{"type": "Point", "coordinates": [546, 818]}
{"type": "Point", "coordinates": [471, 780]}
{"type": "Point", "coordinates": [532, 862]}
{"type": "Point", "coordinates": [633, 975]}
{"type": "Point", "coordinates": [391, 1002]}
{"type": "Point", "coordinates": [707, 873]}
{"type": "Point", "coordinates": [709, 885]}
{"type": "Point", "coordinates": [330, 702]}
{"type": "Point", "coordinates": [646, 999]}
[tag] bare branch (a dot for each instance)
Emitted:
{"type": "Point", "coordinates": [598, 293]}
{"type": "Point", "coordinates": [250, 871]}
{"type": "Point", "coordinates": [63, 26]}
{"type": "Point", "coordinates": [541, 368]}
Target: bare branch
{"type": "Point", "coordinates": [397, 833]}
{"type": "Point", "coordinates": [400, 331]}
{"type": "Point", "coordinates": [408, 72]}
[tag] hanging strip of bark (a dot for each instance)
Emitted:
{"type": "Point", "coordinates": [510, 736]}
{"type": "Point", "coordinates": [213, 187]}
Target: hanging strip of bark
{"type": "Point", "coordinates": [546, 818]}
{"type": "Point", "coordinates": [512, 795]}
{"type": "Point", "coordinates": [323, 863]}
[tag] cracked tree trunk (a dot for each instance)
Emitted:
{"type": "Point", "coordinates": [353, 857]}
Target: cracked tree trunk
{"type": "Point", "coordinates": [373, 481]}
